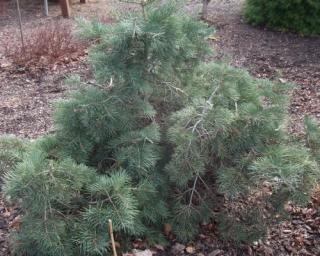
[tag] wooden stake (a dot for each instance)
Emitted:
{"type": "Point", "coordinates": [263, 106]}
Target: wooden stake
{"type": "Point", "coordinates": [46, 8]}
{"type": "Point", "coordinates": [20, 24]}
{"type": "Point", "coordinates": [112, 238]}
{"type": "Point", "coordinates": [65, 8]}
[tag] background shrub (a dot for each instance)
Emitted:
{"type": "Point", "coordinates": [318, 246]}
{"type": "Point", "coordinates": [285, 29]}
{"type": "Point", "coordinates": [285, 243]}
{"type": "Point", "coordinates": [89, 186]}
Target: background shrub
{"type": "Point", "coordinates": [302, 16]}
{"type": "Point", "coordinates": [47, 44]}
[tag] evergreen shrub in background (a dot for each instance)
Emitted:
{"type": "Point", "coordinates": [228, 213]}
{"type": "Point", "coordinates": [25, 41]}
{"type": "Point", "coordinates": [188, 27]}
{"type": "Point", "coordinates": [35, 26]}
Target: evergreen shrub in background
{"type": "Point", "coordinates": [302, 16]}
{"type": "Point", "coordinates": [161, 137]}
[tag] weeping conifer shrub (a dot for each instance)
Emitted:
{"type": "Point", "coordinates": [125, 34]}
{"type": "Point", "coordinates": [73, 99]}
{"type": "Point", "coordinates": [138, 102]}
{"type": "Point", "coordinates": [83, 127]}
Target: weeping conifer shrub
{"type": "Point", "coordinates": [159, 137]}
{"type": "Point", "coordinates": [102, 161]}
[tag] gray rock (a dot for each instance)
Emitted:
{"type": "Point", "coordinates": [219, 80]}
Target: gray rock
{"type": "Point", "coordinates": [142, 253]}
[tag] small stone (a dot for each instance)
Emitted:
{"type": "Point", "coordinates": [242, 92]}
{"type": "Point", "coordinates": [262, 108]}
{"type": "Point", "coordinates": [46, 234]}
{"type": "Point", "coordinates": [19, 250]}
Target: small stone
{"type": "Point", "coordinates": [282, 80]}
{"type": "Point", "coordinates": [142, 253]}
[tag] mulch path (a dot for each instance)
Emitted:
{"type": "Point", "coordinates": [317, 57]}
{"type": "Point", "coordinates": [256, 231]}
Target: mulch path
{"type": "Point", "coordinates": [27, 97]}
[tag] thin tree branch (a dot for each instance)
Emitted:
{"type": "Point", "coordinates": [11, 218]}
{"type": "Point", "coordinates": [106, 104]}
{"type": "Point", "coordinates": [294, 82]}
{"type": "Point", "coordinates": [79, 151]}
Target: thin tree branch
{"type": "Point", "coordinates": [112, 238]}
{"type": "Point", "coordinates": [193, 189]}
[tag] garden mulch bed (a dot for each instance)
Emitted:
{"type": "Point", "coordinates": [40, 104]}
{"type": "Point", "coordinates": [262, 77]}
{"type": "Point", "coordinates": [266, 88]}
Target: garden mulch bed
{"type": "Point", "coordinates": [27, 96]}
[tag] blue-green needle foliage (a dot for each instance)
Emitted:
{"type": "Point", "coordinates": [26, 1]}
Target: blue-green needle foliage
{"type": "Point", "coordinates": [159, 137]}
{"type": "Point", "coordinates": [11, 152]}
{"type": "Point", "coordinates": [101, 163]}
{"type": "Point", "coordinates": [232, 140]}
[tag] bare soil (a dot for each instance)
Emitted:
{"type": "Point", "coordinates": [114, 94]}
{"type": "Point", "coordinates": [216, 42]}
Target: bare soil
{"type": "Point", "coordinates": [27, 96]}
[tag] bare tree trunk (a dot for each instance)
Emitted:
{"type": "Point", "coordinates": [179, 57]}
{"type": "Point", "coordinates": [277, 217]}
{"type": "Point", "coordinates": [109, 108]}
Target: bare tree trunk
{"type": "Point", "coordinates": [204, 14]}
{"type": "Point", "coordinates": [2, 7]}
{"type": "Point", "coordinates": [65, 8]}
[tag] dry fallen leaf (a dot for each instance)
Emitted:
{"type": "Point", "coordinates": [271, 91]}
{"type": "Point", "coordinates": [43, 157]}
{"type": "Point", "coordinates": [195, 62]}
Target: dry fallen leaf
{"type": "Point", "coordinates": [159, 247]}
{"type": "Point", "coordinates": [6, 214]}
{"type": "Point", "coordinates": [16, 223]}
{"type": "Point", "coordinates": [282, 80]}
{"type": "Point", "coordinates": [213, 38]}
{"type": "Point", "coordinates": [190, 249]}
{"type": "Point", "coordinates": [5, 64]}
{"type": "Point", "coordinates": [167, 229]}
{"type": "Point", "coordinates": [143, 253]}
